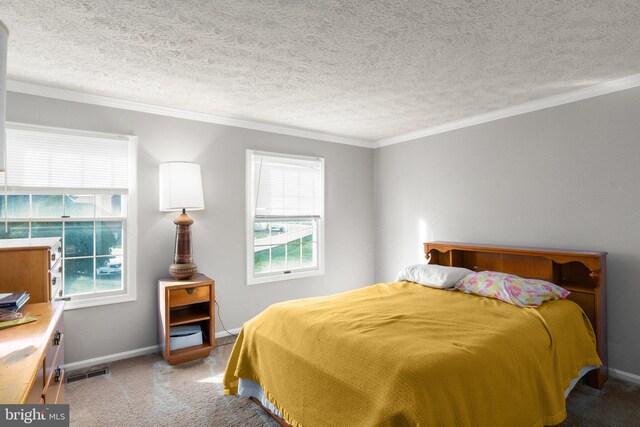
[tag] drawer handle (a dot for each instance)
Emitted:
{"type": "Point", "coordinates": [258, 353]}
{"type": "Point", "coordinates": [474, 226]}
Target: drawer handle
{"type": "Point", "coordinates": [57, 337]}
{"type": "Point", "coordinates": [59, 249]}
{"type": "Point", "coordinates": [190, 290]}
{"type": "Point", "coordinates": [53, 281]}
{"type": "Point", "coordinates": [53, 257]}
{"type": "Point", "coordinates": [58, 374]}
{"type": "Point", "coordinates": [60, 293]}
{"type": "Point", "coordinates": [60, 269]}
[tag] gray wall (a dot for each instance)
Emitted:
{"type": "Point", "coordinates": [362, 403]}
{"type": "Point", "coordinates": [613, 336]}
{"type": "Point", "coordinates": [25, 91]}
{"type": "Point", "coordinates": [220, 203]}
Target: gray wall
{"type": "Point", "coordinates": [564, 177]}
{"type": "Point", "coordinates": [219, 231]}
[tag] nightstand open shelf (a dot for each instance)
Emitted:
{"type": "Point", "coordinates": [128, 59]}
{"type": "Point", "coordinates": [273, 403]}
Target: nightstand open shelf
{"type": "Point", "coordinates": [185, 351]}
{"type": "Point", "coordinates": [181, 303]}
{"type": "Point", "coordinates": [188, 315]}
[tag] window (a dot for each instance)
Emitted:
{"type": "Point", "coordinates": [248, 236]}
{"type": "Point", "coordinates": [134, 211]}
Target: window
{"type": "Point", "coordinates": [285, 209]}
{"type": "Point", "coordinates": [76, 186]}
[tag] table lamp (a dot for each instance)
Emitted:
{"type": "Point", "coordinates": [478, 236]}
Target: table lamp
{"type": "Point", "coordinates": [181, 190]}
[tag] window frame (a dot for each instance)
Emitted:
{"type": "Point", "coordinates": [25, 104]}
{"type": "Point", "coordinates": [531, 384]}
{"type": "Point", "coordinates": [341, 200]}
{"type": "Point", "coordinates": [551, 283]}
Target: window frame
{"type": "Point", "coordinates": [279, 276]}
{"type": "Point", "coordinates": [128, 292]}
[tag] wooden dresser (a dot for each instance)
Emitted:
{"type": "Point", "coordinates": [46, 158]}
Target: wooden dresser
{"type": "Point", "coordinates": [32, 265]}
{"type": "Point", "coordinates": [32, 355]}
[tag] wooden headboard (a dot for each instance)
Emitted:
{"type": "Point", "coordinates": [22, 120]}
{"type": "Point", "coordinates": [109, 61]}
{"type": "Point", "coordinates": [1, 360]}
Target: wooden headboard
{"type": "Point", "coordinates": [581, 272]}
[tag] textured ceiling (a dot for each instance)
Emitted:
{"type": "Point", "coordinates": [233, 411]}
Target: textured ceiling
{"type": "Point", "coordinates": [364, 69]}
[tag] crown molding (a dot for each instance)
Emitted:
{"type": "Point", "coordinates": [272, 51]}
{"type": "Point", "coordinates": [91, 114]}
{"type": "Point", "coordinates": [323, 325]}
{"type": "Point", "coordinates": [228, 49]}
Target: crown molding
{"type": "Point", "coordinates": [106, 101]}
{"type": "Point", "coordinates": [528, 107]}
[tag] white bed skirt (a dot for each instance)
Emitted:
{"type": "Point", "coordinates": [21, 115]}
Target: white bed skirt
{"type": "Point", "coordinates": [248, 388]}
{"type": "Point", "coordinates": [574, 381]}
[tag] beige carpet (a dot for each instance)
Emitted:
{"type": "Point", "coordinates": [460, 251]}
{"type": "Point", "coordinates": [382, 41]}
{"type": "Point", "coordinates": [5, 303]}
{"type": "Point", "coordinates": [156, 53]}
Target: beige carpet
{"type": "Point", "coordinates": [616, 405]}
{"type": "Point", "coordinates": [147, 391]}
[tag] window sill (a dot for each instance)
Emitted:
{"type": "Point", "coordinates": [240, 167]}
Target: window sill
{"type": "Point", "coordinates": [97, 301]}
{"type": "Point", "coordinates": [283, 277]}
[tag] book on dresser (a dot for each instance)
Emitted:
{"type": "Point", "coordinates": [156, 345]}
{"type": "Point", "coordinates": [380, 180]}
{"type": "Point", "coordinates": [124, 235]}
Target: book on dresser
{"type": "Point", "coordinates": [13, 300]}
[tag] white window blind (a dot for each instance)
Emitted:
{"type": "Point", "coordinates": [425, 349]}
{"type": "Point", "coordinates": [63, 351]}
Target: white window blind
{"type": "Point", "coordinates": [51, 160]}
{"type": "Point", "coordinates": [287, 187]}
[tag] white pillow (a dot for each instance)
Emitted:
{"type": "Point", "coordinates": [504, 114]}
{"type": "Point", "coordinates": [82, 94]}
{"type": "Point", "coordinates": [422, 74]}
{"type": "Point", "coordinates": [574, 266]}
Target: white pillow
{"type": "Point", "coordinates": [435, 276]}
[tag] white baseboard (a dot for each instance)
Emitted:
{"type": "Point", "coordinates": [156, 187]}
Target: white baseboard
{"type": "Point", "coordinates": [624, 376]}
{"type": "Point", "coordinates": [110, 358]}
{"type": "Point", "coordinates": [223, 334]}
{"type": "Point", "coordinates": [128, 354]}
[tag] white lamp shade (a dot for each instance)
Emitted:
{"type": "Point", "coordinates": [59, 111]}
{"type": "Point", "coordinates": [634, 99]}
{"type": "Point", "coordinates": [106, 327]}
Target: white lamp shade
{"type": "Point", "coordinates": [180, 187]}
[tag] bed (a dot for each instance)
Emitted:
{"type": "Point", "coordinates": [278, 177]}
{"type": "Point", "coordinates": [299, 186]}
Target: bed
{"type": "Point", "coordinates": [402, 354]}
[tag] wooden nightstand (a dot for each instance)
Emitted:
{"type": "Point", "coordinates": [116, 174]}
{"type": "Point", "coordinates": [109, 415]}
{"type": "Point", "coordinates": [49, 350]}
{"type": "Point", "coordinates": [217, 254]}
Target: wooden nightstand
{"type": "Point", "coordinates": [186, 302]}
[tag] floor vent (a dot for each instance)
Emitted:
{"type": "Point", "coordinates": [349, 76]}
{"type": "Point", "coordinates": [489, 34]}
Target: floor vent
{"type": "Point", "coordinates": [89, 374]}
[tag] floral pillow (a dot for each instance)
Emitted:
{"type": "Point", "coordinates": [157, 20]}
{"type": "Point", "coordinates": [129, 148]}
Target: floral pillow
{"type": "Point", "coordinates": [510, 288]}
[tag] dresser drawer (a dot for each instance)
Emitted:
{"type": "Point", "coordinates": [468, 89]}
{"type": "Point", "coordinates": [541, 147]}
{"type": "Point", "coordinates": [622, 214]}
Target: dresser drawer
{"type": "Point", "coordinates": [37, 389]}
{"type": "Point", "coordinates": [54, 356]}
{"type": "Point", "coordinates": [186, 296]}
{"type": "Point", "coordinates": [55, 253]}
{"type": "Point", "coordinates": [54, 370]}
{"type": "Point", "coordinates": [60, 395]}
{"type": "Point", "coordinates": [54, 392]}
{"type": "Point", "coordinates": [55, 281]}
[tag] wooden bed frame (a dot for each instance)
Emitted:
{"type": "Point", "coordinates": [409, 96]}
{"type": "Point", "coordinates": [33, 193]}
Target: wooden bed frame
{"type": "Point", "coordinates": [584, 273]}
{"type": "Point", "coordinates": [581, 272]}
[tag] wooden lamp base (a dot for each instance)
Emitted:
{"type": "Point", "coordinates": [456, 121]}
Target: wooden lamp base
{"type": "Point", "coordinates": [183, 266]}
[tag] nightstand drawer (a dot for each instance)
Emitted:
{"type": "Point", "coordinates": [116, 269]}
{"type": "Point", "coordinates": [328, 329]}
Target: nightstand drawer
{"type": "Point", "coordinates": [186, 296]}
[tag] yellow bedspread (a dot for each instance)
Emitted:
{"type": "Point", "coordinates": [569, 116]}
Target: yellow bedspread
{"type": "Point", "coordinates": [401, 354]}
